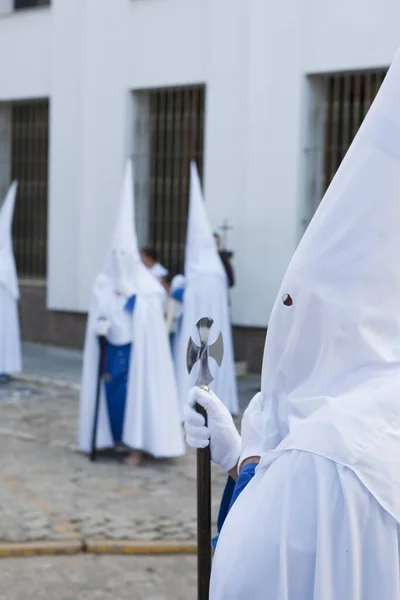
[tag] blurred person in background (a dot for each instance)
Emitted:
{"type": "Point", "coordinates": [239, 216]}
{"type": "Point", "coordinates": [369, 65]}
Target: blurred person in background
{"type": "Point", "coordinates": [175, 287]}
{"type": "Point", "coordinates": [10, 343]}
{"type": "Point", "coordinates": [225, 257]}
{"type": "Point", "coordinates": [150, 260]}
{"type": "Point", "coordinates": [138, 403]}
{"type": "Point", "coordinates": [205, 295]}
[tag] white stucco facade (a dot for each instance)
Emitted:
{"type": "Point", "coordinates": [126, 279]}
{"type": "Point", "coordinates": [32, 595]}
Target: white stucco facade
{"type": "Point", "coordinates": [87, 56]}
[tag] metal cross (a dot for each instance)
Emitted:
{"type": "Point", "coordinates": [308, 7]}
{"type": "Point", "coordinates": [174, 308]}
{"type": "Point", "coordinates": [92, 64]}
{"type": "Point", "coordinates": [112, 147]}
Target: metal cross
{"type": "Point", "coordinates": [201, 353]}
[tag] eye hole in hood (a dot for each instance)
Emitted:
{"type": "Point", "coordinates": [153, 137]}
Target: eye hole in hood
{"type": "Point", "coordinates": [287, 300]}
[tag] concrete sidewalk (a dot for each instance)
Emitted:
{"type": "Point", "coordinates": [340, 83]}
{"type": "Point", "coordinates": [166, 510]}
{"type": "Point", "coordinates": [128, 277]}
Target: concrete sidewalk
{"type": "Point", "coordinates": [52, 363]}
{"type": "Point", "coordinates": [66, 365]}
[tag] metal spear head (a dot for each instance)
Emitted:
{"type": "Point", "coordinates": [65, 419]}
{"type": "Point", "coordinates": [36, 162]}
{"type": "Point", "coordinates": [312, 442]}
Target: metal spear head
{"type": "Point", "coordinates": [201, 353]}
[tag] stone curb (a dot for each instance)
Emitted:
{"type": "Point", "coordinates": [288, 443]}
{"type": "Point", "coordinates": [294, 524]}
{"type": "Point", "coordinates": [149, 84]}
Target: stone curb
{"type": "Point", "coordinates": [132, 547]}
{"type": "Point", "coordinates": [72, 547]}
{"type": "Point", "coordinates": [44, 547]}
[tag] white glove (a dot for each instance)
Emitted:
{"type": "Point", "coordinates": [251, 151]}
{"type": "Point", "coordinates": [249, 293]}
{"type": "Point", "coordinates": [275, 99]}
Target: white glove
{"type": "Point", "coordinates": [102, 326]}
{"type": "Point", "coordinates": [220, 431]}
{"type": "Point", "coordinates": [253, 430]}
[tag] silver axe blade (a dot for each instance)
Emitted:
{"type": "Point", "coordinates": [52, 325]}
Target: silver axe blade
{"type": "Point", "coordinates": [201, 353]}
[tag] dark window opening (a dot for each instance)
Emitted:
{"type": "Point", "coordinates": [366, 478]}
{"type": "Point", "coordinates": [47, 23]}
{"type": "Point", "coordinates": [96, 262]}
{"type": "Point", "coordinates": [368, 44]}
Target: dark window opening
{"type": "Point", "coordinates": [29, 166]}
{"type": "Point", "coordinates": [169, 134]}
{"type": "Point", "coordinates": [21, 4]}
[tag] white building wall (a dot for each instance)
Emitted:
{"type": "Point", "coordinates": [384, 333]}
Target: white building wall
{"type": "Point", "coordinates": [137, 45]}
{"type": "Point", "coordinates": [89, 55]}
{"type": "Point", "coordinates": [25, 51]}
{"type": "Point", "coordinates": [348, 34]}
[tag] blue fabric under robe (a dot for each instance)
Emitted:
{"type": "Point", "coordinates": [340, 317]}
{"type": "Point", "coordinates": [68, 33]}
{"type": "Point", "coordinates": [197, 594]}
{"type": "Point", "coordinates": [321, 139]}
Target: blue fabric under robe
{"type": "Point", "coordinates": [232, 492]}
{"type": "Point", "coordinates": [178, 294]}
{"type": "Point", "coordinates": [115, 370]}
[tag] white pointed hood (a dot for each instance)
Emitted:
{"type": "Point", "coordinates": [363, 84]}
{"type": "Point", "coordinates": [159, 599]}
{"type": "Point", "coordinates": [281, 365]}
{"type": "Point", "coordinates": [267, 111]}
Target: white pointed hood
{"type": "Point", "coordinates": [151, 417]}
{"type": "Point", "coordinates": [331, 371]}
{"type": "Point", "coordinates": [124, 266]}
{"type": "Point", "coordinates": [201, 250]}
{"type": "Point", "coordinates": [8, 271]}
{"type": "Point", "coordinates": [206, 295]}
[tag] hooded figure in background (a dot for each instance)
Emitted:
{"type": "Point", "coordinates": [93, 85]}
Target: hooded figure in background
{"type": "Point", "coordinates": [149, 258]}
{"type": "Point", "coordinates": [10, 343]}
{"type": "Point", "coordinates": [319, 518]}
{"type": "Point", "coordinates": [138, 403]}
{"type": "Point", "coordinates": [205, 295]}
{"type": "Point", "coordinates": [174, 309]}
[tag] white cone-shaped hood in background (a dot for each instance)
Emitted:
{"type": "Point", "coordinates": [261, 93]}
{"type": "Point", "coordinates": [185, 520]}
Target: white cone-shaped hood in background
{"type": "Point", "coordinates": [151, 421]}
{"type": "Point", "coordinates": [124, 265]}
{"type": "Point", "coordinates": [8, 271]}
{"type": "Point", "coordinates": [201, 250]}
{"type": "Point", "coordinates": [206, 295]}
{"type": "Point", "coordinates": [331, 371]}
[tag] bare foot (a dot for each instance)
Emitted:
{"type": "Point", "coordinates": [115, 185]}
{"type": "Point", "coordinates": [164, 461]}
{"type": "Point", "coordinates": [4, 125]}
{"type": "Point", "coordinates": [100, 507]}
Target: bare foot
{"type": "Point", "coordinates": [134, 459]}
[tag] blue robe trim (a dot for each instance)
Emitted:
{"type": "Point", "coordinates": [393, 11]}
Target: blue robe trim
{"type": "Point", "coordinates": [130, 304]}
{"type": "Point", "coordinates": [178, 294]}
{"type": "Point", "coordinates": [115, 372]}
{"type": "Point", "coordinates": [231, 493]}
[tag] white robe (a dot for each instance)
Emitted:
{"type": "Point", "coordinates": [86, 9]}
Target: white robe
{"type": "Point", "coordinates": [158, 270]}
{"type": "Point", "coordinates": [10, 343]}
{"type": "Point", "coordinates": [306, 529]}
{"type": "Point", "coordinates": [151, 419]}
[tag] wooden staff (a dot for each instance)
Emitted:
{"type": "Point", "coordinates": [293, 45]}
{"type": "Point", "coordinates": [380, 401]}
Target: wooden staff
{"type": "Point", "coordinates": [102, 345]}
{"type": "Point", "coordinates": [201, 353]}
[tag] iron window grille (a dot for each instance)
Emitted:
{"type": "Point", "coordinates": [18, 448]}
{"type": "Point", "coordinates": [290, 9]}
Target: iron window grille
{"type": "Point", "coordinates": [22, 4]}
{"type": "Point", "coordinates": [169, 133]}
{"type": "Point", "coordinates": [24, 146]}
{"type": "Point", "coordinates": [339, 104]}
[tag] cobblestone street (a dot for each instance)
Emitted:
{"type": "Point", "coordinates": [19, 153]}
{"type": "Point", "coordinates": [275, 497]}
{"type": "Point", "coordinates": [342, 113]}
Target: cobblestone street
{"type": "Point", "coordinates": [87, 577]}
{"type": "Point", "coordinates": [48, 490]}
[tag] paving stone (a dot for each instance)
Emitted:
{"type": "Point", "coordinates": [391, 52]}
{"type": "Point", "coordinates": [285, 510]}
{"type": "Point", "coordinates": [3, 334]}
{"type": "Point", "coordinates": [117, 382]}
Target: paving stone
{"type": "Point", "coordinates": [87, 577]}
{"type": "Point", "coordinates": [49, 491]}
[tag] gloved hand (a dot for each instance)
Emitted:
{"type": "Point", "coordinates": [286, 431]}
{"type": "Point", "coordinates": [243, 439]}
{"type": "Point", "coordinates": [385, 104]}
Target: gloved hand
{"type": "Point", "coordinates": [102, 326]}
{"type": "Point", "coordinates": [220, 431]}
{"type": "Point", "coordinates": [253, 431]}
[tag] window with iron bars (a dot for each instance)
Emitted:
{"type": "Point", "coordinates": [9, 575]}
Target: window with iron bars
{"type": "Point", "coordinates": [339, 104]}
{"type": "Point", "coordinates": [24, 135]}
{"type": "Point", "coordinates": [21, 4]}
{"type": "Point", "coordinates": [169, 133]}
